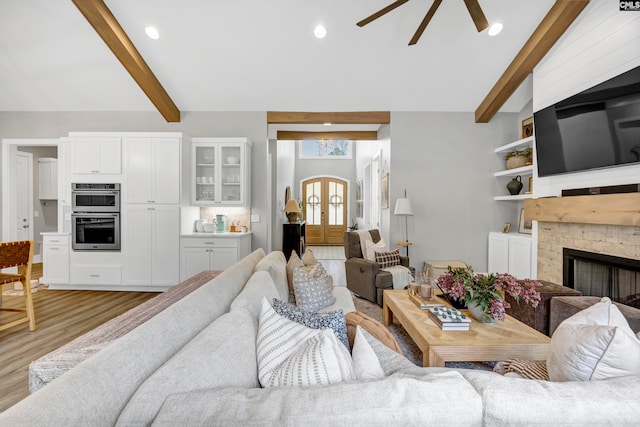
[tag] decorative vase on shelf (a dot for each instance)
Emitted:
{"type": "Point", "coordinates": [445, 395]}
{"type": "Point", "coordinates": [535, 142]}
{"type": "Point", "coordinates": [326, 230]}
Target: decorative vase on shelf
{"type": "Point", "coordinates": [515, 185]}
{"type": "Point", "coordinates": [478, 313]}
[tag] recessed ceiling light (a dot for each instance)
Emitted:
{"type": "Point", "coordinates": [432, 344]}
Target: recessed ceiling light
{"type": "Point", "coordinates": [320, 32]}
{"type": "Point", "coordinates": [152, 32]}
{"type": "Point", "coordinates": [495, 29]}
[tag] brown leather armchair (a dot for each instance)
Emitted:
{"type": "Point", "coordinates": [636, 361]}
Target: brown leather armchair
{"type": "Point", "coordinates": [364, 277]}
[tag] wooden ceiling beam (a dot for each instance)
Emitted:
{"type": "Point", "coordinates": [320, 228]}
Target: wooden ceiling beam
{"type": "Point", "coordinates": [109, 29]}
{"type": "Point", "coordinates": [365, 135]}
{"type": "Point", "coordinates": [555, 23]}
{"type": "Point", "coordinates": [336, 118]}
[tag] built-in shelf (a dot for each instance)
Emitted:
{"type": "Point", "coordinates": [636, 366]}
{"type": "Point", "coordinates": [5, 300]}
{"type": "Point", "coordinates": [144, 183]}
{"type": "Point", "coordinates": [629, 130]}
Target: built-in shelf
{"type": "Point", "coordinates": [524, 170]}
{"type": "Point", "coordinates": [519, 144]}
{"type": "Point", "coordinates": [513, 198]}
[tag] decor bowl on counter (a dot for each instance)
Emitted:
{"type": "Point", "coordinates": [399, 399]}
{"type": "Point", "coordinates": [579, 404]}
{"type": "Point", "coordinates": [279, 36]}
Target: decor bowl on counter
{"type": "Point", "coordinates": [233, 160]}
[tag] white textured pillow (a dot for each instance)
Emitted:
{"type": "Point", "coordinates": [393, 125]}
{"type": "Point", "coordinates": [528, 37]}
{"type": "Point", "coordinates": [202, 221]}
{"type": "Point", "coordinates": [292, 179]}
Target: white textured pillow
{"type": "Point", "coordinates": [280, 338]}
{"type": "Point", "coordinates": [321, 359]}
{"type": "Point", "coordinates": [371, 249]}
{"type": "Point", "coordinates": [593, 344]}
{"type": "Point", "coordinates": [365, 362]}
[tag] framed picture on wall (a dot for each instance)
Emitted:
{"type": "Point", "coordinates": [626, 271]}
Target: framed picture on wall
{"type": "Point", "coordinates": [385, 190]}
{"type": "Point", "coordinates": [525, 227]}
{"type": "Point", "coordinates": [527, 127]}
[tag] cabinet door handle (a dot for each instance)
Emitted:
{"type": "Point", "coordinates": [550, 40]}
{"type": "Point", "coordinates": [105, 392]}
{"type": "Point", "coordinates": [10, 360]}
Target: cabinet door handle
{"type": "Point", "coordinates": [54, 241]}
{"type": "Point", "coordinates": [209, 243]}
{"type": "Point", "coordinates": [54, 249]}
{"type": "Point", "coordinates": [94, 275]}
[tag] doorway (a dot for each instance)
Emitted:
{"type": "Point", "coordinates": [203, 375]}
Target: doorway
{"type": "Point", "coordinates": [325, 210]}
{"type": "Point", "coordinates": [23, 196]}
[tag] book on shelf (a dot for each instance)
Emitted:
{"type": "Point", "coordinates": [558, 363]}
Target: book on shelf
{"type": "Point", "coordinates": [425, 304]}
{"type": "Point", "coordinates": [449, 318]}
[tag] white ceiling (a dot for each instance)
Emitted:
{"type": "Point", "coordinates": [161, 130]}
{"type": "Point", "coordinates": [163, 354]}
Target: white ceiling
{"type": "Point", "coordinates": [257, 55]}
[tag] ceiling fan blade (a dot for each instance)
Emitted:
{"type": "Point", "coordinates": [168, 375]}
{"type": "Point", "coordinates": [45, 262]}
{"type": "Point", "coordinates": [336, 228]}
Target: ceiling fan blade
{"type": "Point", "coordinates": [381, 12]}
{"type": "Point", "coordinates": [476, 14]}
{"type": "Point", "coordinates": [425, 22]}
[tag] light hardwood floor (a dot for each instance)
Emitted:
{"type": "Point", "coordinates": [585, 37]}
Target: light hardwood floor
{"type": "Point", "coordinates": [61, 316]}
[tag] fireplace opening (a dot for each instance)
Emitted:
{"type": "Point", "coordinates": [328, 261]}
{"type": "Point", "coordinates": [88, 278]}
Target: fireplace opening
{"type": "Point", "coordinates": [602, 275]}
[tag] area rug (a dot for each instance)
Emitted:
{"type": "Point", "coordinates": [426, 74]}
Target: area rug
{"type": "Point", "coordinates": [328, 252]}
{"type": "Point", "coordinates": [409, 348]}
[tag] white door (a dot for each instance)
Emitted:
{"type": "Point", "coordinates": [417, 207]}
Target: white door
{"type": "Point", "coordinates": [24, 196]}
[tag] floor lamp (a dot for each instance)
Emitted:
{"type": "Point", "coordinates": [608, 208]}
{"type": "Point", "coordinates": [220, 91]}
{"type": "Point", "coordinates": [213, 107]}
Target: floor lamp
{"type": "Point", "coordinates": [403, 207]}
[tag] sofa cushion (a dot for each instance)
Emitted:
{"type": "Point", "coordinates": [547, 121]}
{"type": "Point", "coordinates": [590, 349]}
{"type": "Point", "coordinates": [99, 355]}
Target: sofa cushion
{"type": "Point", "coordinates": [276, 265]}
{"type": "Point", "coordinates": [395, 400]}
{"type": "Point", "coordinates": [278, 339]}
{"type": "Point", "coordinates": [344, 301]}
{"type": "Point", "coordinates": [520, 402]}
{"type": "Point", "coordinates": [260, 285]}
{"type": "Point", "coordinates": [365, 362]}
{"type": "Point", "coordinates": [596, 343]}
{"type": "Point", "coordinates": [355, 319]}
{"type": "Point", "coordinates": [333, 320]}
{"type": "Point", "coordinates": [293, 263]}
{"type": "Point", "coordinates": [309, 258]}
{"type": "Point", "coordinates": [222, 355]}
{"type": "Point", "coordinates": [388, 259]}
{"type": "Point", "coordinates": [312, 288]}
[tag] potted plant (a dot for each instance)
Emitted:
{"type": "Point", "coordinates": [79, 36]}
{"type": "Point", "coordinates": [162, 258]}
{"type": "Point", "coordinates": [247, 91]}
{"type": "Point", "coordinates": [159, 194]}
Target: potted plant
{"type": "Point", "coordinates": [484, 294]}
{"type": "Point", "coordinates": [354, 225]}
{"type": "Point", "coordinates": [519, 158]}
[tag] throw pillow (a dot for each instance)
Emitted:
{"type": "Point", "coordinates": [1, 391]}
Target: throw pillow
{"type": "Point", "coordinates": [371, 249]}
{"type": "Point", "coordinates": [365, 361]}
{"type": "Point", "coordinates": [354, 319]}
{"type": "Point", "coordinates": [293, 263]}
{"type": "Point", "coordinates": [388, 259]}
{"type": "Point", "coordinates": [312, 293]}
{"type": "Point", "coordinates": [320, 359]}
{"type": "Point", "coordinates": [334, 320]}
{"type": "Point", "coordinates": [593, 344]}
{"type": "Point", "coordinates": [279, 338]}
{"type": "Point", "coordinates": [308, 258]}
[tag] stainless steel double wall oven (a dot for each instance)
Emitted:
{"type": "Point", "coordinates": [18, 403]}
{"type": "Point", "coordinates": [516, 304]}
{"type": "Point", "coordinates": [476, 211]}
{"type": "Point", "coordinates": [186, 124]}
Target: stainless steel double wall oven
{"type": "Point", "coordinates": [95, 221]}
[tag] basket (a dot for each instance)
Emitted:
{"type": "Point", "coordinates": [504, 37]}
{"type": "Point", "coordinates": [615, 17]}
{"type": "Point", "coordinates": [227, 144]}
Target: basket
{"type": "Point", "coordinates": [516, 162]}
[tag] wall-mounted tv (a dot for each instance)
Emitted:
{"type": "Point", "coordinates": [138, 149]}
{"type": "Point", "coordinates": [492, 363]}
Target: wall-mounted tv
{"type": "Point", "coordinates": [597, 128]}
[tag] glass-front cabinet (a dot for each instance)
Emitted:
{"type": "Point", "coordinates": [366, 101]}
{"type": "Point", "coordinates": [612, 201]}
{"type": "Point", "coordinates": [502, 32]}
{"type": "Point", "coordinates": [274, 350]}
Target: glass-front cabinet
{"type": "Point", "coordinates": [220, 173]}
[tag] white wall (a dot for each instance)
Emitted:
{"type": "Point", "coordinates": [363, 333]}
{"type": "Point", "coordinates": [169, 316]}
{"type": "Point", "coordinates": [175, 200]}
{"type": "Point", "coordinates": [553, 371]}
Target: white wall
{"type": "Point", "coordinates": [601, 43]}
{"type": "Point", "coordinates": [446, 162]}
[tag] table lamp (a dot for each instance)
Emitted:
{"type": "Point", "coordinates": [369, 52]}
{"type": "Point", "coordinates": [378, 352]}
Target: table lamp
{"type": "Point", "coordinates": [403, 207]}
{"type": "Point", "coordinates": [293, 211]}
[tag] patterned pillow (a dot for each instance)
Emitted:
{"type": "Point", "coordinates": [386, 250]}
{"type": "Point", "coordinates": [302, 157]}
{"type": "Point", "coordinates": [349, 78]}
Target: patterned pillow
{"type": "Point", "coordinates": [334, 320]}
{"type": "Point", "coordinates": [388, 259]}
{"type": "Point", "coordinates": [280, 339]}
{"type": "Point", "coordinates": [312, 289]}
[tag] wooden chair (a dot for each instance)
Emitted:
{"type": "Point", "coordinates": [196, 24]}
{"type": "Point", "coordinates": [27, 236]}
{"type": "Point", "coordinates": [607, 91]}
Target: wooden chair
{"type": "Point", "coordinates": [18, 254]}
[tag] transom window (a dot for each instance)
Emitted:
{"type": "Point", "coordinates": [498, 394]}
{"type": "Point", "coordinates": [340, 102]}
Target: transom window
{"type": "Point", "coordinates": [324, 149]}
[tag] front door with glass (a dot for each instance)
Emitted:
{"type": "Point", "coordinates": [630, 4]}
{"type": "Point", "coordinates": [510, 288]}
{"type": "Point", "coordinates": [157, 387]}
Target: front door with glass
{"type": "Point", "coordinates": [325, 210]}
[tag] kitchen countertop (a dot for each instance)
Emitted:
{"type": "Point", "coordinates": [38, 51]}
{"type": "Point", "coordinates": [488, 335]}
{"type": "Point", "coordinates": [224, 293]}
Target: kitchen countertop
{"type": "Point", "coordinates": [227, 234]}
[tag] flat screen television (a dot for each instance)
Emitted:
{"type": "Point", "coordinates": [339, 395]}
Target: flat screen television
{"type": "Point", "coordinates": [596, 128]}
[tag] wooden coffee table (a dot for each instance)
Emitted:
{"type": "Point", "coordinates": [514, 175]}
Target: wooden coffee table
{"type": "Point", "coordinates": [508, 339]}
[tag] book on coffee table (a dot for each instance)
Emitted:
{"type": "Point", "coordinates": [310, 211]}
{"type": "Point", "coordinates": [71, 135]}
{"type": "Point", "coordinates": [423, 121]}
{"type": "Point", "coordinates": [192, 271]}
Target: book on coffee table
{"type": "Point", "coordinates": [425, 304]}
{"type": "Point", "coordinates": [449, 319]}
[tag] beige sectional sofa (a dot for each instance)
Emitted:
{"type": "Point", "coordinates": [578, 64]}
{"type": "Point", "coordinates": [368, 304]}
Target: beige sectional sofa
{"type": "Point", "coordinates": [194, 363]}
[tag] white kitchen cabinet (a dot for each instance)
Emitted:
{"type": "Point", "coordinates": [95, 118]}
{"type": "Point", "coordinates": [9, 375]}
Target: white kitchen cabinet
{"type": "Point", "coordinates": [55, 258]}
{"type": "Point", "coordinates": [96, 155]}
{"type": "Point", "coordinates": [47, 178]}
{"type": "Point", "coordinates": [212, 252]}
{"type": "Point", "coordinates": [151, 243]}
{"type": "Point", "coordinates": [152, 170]}
{"type": "Point", "coordinates": [510, 253]}
{"type": "Point", "coordinates": [221, 172]}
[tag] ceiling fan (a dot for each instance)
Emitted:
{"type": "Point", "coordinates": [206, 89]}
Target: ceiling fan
{"type": "Point", "coordinates": [472, 6]}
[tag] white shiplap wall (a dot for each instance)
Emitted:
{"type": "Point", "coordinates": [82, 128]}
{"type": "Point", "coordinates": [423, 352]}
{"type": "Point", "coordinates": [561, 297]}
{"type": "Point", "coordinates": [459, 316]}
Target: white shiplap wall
{"type": "Point", "coordinates": [601, 43]}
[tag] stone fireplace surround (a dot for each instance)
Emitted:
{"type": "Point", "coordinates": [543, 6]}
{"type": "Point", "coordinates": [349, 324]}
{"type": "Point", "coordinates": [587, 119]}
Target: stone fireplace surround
{"type": "Point", "coordinates": [617, 240]}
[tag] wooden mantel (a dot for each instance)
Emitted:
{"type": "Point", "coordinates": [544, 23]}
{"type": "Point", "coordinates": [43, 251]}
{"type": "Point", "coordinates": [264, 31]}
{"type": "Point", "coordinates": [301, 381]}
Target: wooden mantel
{"type": "Point", "coordinates": [607, 209]}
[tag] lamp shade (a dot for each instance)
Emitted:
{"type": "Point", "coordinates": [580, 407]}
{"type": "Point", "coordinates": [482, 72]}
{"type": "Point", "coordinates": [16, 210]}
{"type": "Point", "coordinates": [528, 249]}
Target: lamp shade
{"type": "Point", "coordinates": [403, 207]}
{"type": "Point", "coordinates": [292, 206]}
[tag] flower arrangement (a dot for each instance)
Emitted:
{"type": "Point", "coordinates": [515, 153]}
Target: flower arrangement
{"type": "Point", "coordinates": [487, 291]}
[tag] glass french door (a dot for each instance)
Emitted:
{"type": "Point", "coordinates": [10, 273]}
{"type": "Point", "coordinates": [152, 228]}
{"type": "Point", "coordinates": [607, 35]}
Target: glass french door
{"type": "Point", "coordinates": [325, 210]}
